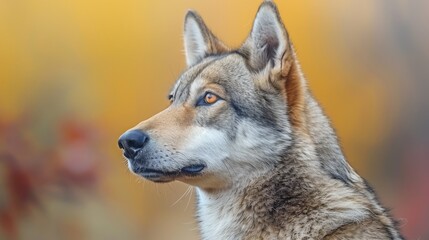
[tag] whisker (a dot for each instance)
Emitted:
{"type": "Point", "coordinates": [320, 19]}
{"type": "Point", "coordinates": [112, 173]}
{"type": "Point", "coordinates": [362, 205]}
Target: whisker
{"type": "Point", "coordinates": [180, 198]}
{"type": "Point", "coordinates": [189, 199]}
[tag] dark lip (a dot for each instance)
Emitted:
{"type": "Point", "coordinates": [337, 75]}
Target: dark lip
{"type": "Point", "coordinates": [193, 169]}
{"type": "Point", "coordinates": [156, 175]}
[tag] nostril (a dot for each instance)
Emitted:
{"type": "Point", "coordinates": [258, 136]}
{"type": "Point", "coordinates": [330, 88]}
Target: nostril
{"type": "Point", "coordinates": [120, 144]}
{"type": "Point", "coordinates": [132, 142]}
{"type": "Point", "coordinates": [136, 143]}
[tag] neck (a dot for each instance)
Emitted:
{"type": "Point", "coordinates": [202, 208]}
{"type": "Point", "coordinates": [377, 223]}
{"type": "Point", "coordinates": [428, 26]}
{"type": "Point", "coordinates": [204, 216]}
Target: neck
{"type": "Point", "coordinates": [294, 194]}
{"type": "Point", "coordinates": [326, 144]}
{"type": "Point", "coordinates": [252, 205]}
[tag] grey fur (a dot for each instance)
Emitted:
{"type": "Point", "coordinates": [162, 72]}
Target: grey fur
{"type": "Point", "coordinates": [274, 168]}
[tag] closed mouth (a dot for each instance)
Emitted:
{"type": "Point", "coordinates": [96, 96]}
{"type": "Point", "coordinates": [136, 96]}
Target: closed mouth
{"type": "Point", "coordinates": [193, 169]}
{"type": "Point", "coordinates": [156, 175]}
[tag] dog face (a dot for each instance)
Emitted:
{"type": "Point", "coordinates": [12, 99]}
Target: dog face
{"type": "Point", "coordinates": [228, 115]}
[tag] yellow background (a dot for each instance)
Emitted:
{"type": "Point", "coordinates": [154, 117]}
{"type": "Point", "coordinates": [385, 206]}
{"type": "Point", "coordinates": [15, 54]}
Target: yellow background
{"type": "Point", "coordinates": [75, 74]}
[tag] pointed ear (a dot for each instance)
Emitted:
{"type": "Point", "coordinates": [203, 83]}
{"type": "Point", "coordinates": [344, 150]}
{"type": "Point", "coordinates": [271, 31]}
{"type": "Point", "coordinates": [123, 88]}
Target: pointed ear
{"type": "Point", "coordinates": [269, 49]}
{"type": "Point", "coordinates": [268, 41]}
{"type": "Point", "coordinates": [199, 40]}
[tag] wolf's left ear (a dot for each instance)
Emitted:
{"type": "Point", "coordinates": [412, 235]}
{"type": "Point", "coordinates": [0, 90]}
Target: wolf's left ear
{"type": "Point", "coordinates": [199, 40]}
{"type": "Point", "coordinates": [268, 41]}
{"type": "Point", "coordinates": [268, 47]}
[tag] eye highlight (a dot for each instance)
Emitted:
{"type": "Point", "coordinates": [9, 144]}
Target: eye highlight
{"type": "Point", "coordinates": [207, 99]}
{"type": "Point", "coordinates": [210, 98]}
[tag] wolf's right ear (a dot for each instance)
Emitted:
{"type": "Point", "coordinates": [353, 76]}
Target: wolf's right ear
{"type": "Point", "coordinates": [199, 40]}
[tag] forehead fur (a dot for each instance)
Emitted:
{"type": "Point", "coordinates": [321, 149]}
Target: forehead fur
{"type": "Point", "coordinates": [228, 70]}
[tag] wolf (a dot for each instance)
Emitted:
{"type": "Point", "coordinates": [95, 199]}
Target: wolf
{"type": "Point", "coordinates": [245, 130]}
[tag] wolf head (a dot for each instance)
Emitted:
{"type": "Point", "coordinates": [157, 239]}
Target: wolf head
{"type": "Point", "coordinates": [233, 112]}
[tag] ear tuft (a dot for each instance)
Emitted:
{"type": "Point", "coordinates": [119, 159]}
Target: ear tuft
{"type": "Point", "coordinates": [198, 39]}
{"type": "Point", "coordinates": [268, 40]}
{"type": "Point", "coordinates": [195, 47]}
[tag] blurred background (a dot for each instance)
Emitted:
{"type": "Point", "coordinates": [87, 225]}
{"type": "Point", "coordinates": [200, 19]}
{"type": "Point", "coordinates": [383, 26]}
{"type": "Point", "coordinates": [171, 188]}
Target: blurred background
{"type": "Point", "coordinates": [74, 75]}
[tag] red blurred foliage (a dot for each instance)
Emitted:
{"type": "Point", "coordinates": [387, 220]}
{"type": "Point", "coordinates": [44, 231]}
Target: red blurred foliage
{"type": "Point", "coordinates": [414, 195]}
{"type": "Point", "coordinates": [30, 169]}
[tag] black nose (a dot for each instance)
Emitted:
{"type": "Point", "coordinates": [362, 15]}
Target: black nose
{"type": "Point", "coordinates": [132, 142]}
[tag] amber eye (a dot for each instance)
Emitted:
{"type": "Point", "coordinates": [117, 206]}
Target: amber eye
{"type": "Point", "coordinates": [210, 98]}
{"type": "Point", "coordinates": [207, 99]}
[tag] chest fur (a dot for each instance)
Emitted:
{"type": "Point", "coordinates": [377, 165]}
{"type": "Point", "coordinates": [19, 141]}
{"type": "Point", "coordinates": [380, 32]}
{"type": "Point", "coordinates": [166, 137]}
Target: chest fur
{"type": "Point", "coordinates": [265, 213]}
{"type": "Point", "coordinates": [219, 217]}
